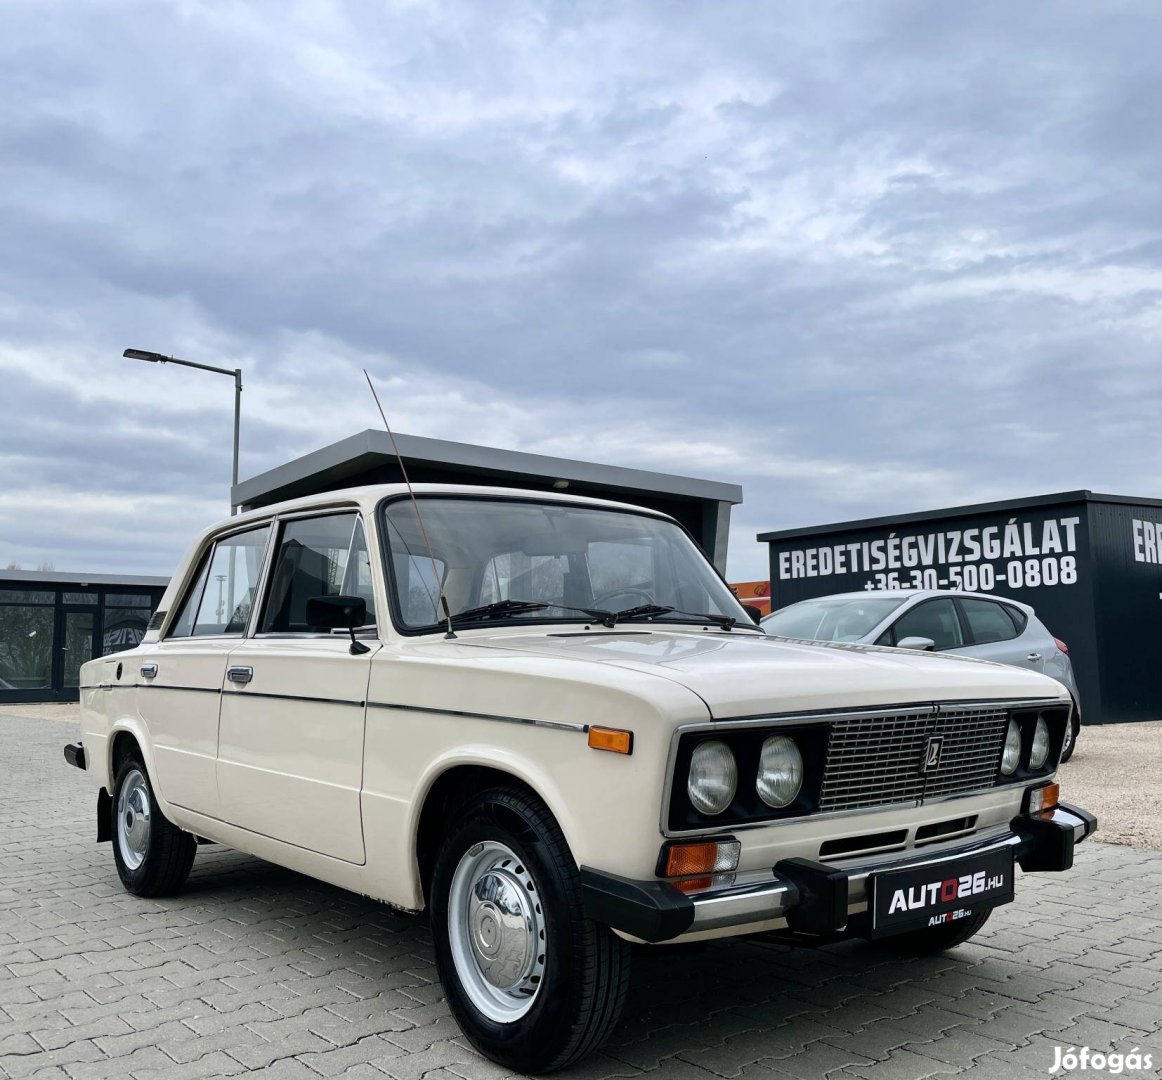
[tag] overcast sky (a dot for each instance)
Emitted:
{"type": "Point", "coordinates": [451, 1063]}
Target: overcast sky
{"type": "Point", "coordinates": [860, 258]}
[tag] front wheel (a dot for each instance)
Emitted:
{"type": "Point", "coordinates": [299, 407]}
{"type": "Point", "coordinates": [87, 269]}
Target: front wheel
{"type": "Point", "coordinates": [533, 984]}
{"type": "Point", "coordinates": [153, 855]}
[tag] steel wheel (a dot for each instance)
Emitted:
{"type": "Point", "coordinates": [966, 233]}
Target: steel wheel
{"type": "Point", "coordinates": [133, 819]}
{"type": "Point", "coordinates": [496, 930]}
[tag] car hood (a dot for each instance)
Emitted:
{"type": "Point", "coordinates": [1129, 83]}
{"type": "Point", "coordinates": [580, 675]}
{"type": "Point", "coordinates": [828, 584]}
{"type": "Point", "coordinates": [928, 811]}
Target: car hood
{"type": "Point", "coordinates": [743, 674]}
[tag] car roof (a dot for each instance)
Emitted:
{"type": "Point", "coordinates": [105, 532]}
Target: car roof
{"type": "Point", "coordinates": [919, 594]}
{"type": "Point", "coordinates": [370, 495]}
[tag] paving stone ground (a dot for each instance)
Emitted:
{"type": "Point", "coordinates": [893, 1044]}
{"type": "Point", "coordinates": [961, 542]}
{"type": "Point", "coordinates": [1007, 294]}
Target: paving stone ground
{"type": "Point", "coordinates": [254, 968]}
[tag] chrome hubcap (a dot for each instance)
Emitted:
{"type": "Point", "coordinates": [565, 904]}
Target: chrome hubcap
{"type": "Point", "coordinates": [133, 819]}
{"type": "Point", "coordinates": [497, 931]}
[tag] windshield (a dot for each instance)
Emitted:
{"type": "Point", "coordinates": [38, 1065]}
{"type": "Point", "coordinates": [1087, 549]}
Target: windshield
{"type": "Point", "coordinates": [567, 557]}
{"type": "Point", "coordinates": [831, 618]}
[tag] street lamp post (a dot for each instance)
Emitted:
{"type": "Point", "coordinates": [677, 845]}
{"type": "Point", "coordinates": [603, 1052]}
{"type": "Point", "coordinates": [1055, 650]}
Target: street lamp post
{"type": "Point", "coordinates": [235, 373]}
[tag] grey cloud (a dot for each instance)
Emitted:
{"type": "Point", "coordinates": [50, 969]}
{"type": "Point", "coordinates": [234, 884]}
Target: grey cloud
{"type": "Point", "coordinates": [918, 237]}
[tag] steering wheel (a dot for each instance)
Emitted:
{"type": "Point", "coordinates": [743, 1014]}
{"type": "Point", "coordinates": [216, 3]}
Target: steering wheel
{"type": "Point", "coordinates": [629, 590]}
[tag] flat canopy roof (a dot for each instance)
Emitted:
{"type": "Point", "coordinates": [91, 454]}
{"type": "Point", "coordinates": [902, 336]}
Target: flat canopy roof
{"type": "Point", "coordinates": [1000, 507]}
{"type": "Point", "coordinates": [56, 577]}
{"type": "Point", "coordinates": [348, 462]}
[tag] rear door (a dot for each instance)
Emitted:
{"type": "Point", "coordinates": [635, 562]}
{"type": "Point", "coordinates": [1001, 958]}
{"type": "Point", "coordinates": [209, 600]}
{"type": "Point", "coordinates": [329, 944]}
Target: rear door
{"type": "Point", "coordinates": [290, 741]}
{"type": "Point", "coordinates": [180, 679]}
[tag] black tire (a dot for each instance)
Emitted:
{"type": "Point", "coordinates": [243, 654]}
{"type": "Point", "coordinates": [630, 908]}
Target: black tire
{"type": "Point", "coordinates": [584, 978]}
{"type": "Point", "coordinates": [167, 853]}
{"type": "Point", "coordinates": [1073, 731]}
{"type": "Point", "coordinates": [935, 939]}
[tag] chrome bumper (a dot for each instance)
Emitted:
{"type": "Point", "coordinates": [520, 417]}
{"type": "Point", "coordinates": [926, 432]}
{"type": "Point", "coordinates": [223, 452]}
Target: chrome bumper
{"type": "Point", "coordinates": [813, 898]}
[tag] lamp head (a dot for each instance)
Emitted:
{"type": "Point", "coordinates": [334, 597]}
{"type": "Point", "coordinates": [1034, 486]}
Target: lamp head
{"type": "Point", "coordinates": [142, 354]}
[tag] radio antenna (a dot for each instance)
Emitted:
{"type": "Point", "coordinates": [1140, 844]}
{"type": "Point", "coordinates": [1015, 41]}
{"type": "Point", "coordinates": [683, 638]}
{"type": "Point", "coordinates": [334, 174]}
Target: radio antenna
{"type": "Point", "coordinates": [415, 503]}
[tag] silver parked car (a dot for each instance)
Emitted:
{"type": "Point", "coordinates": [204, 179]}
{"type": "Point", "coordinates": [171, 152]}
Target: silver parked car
{"type": "Point", "coordinates": [964, 624]}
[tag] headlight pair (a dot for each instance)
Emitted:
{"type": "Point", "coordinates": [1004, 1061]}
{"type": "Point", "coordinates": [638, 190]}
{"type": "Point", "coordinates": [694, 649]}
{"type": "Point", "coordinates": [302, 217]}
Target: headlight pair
{"type": "Point", "coordinates": [1038, 752]}
{"type": "Point", "coordinates": [713, 778]}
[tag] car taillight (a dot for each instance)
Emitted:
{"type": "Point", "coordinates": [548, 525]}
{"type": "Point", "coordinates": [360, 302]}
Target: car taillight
{"type": "Point", "coordinates": [1061, 645]}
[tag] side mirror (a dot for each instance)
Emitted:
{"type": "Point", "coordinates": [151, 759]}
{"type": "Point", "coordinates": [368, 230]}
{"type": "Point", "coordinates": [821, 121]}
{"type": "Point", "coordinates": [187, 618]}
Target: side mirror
{"type": "Point", "coordinates": [755, 613]}
{"type": "Point", "coordinates": [920, 644]}
{"type": "Point", "coordinates": [338, 613]}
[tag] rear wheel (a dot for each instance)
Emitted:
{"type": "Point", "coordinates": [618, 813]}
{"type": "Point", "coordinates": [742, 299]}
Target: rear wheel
{"type": "Point", "coordinates": [153, 855]}
{"type": "Point", "coordinates": [935, 939]}
{"type": "Point", "coordinates": [533, 983]}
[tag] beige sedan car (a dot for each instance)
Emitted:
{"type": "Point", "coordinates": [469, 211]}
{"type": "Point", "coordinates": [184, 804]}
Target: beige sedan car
{"type": "Point", "coordinates": [546, 721]}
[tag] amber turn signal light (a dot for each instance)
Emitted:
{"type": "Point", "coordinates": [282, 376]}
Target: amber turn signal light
{"type": "Point", "coordinates": [700, 857]}
{"type": "Point", "coordinates": [1044, 798]}
{"type": "Point", "coordinates": [603, 738]}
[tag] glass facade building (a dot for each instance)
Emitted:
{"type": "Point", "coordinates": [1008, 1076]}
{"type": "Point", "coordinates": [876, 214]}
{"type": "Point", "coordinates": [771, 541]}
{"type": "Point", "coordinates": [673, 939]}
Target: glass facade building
{"type": "Point", "coordinates": [51, 623]}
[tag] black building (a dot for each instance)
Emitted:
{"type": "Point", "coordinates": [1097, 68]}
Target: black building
{"type": "Point", "coordinates": [1091, 566]}
{"type": "Point", "coordinates": [51, 623]}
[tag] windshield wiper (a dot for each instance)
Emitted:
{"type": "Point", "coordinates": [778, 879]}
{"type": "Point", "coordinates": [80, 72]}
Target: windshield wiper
{"type": "Point", "coordinates": [643, 611]}
{"type": "Point", "coordinates": [505, 608]}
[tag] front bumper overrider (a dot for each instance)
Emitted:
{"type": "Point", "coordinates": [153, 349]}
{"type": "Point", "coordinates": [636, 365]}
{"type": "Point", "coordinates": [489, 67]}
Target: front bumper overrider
{"type": "Point", "coordinates": [814, 898]}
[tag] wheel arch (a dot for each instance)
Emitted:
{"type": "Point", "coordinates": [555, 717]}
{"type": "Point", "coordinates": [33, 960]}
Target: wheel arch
{"type": "Point", "coordinates": [448, 789]}
{"type": "Point", "coordinates": [126, 735]}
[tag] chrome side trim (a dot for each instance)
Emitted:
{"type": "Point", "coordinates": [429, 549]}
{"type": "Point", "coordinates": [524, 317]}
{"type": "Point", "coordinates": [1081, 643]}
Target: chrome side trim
{"type": "Point", "coordinates": [558, 725]}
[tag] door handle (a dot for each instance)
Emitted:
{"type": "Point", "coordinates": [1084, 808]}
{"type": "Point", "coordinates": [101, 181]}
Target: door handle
{"type": "Point", "coordinates": [148, 671]}
{"type": "Point", "coordinates": [240, 674]}
{"type": "Point", "coordinates": [1033, 657]}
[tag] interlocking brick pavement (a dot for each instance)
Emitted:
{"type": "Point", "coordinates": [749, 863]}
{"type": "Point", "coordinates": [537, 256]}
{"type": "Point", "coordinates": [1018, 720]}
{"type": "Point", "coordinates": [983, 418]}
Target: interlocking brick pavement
{"type": "Point", "coordinates": [254, 968]}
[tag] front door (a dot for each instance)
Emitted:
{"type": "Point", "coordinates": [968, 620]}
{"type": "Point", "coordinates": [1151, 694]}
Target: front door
{"type": "Point", "coordinates": [290, 739]}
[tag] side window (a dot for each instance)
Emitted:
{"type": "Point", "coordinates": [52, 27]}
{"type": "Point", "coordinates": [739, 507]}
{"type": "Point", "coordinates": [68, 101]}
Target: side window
{"type": "Point", "coordinates": [935, 619]}
{"type": "Point", "coordinates": [183, 625]}
{"type": "Point", "coordinates": [1020, 619]}
{"type": "Point", "coordinates": [233, 575]}
{"type": "Point", "coordinates": [987, 621]}
{"type": "Point", "coordinates": [319, 556]}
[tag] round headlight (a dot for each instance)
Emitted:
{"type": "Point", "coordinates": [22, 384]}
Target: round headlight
{"type": "Point", "coordinates": [713, 777]}
{"type": "Point", "coordinates": [1039, 752]}
{"type": "Point", "coordinates": [1011, 758]}
{"type": "Point", "coordinates": [780, 772]}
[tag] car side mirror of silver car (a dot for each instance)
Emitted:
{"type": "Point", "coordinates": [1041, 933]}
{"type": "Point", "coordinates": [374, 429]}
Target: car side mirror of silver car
{"type": "Point", "coordinates": [338, 613]}
{"type": "Point", "coordinates": [920, 644]}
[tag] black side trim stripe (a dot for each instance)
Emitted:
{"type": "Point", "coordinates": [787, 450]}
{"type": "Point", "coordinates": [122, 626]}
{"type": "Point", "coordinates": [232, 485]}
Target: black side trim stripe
{"type": "Point", "coordinates": [293, 697]}
{"type": "Point", "coordinates": [528, 721]}
{"type": "Point", "coordinates": [559, 725]}
{"type": "Point", "coordinates": [187, 689]}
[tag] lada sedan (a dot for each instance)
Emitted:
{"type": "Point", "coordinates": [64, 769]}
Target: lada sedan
{"type": "Point", "coordinates": [546, 721]}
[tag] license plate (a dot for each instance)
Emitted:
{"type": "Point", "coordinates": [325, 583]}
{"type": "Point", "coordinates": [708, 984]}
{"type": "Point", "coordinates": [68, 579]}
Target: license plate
{"type": "Point", "coordinates": [911, 899]}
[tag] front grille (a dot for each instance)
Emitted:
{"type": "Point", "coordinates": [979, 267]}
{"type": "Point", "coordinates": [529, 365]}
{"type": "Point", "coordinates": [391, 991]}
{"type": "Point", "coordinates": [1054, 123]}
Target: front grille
{"type": "Point", "coordinates": [878, 760]}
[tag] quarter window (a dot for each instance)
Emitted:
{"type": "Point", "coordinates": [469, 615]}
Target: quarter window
{"type": "Point", "coordinates": [321, 556]}
{"type": "Point", "coordinates": [935, 619]}
{"type": "Point", "coordinates": [988, 622]}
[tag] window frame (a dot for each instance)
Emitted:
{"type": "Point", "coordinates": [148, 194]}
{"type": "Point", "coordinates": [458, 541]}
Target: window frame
{"type": "Point", "coordinates": [203, 562]}
{"type": "Point", "coordinates": [280, 523]}
{"type": "Point", "coordinates": [383, 535]}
